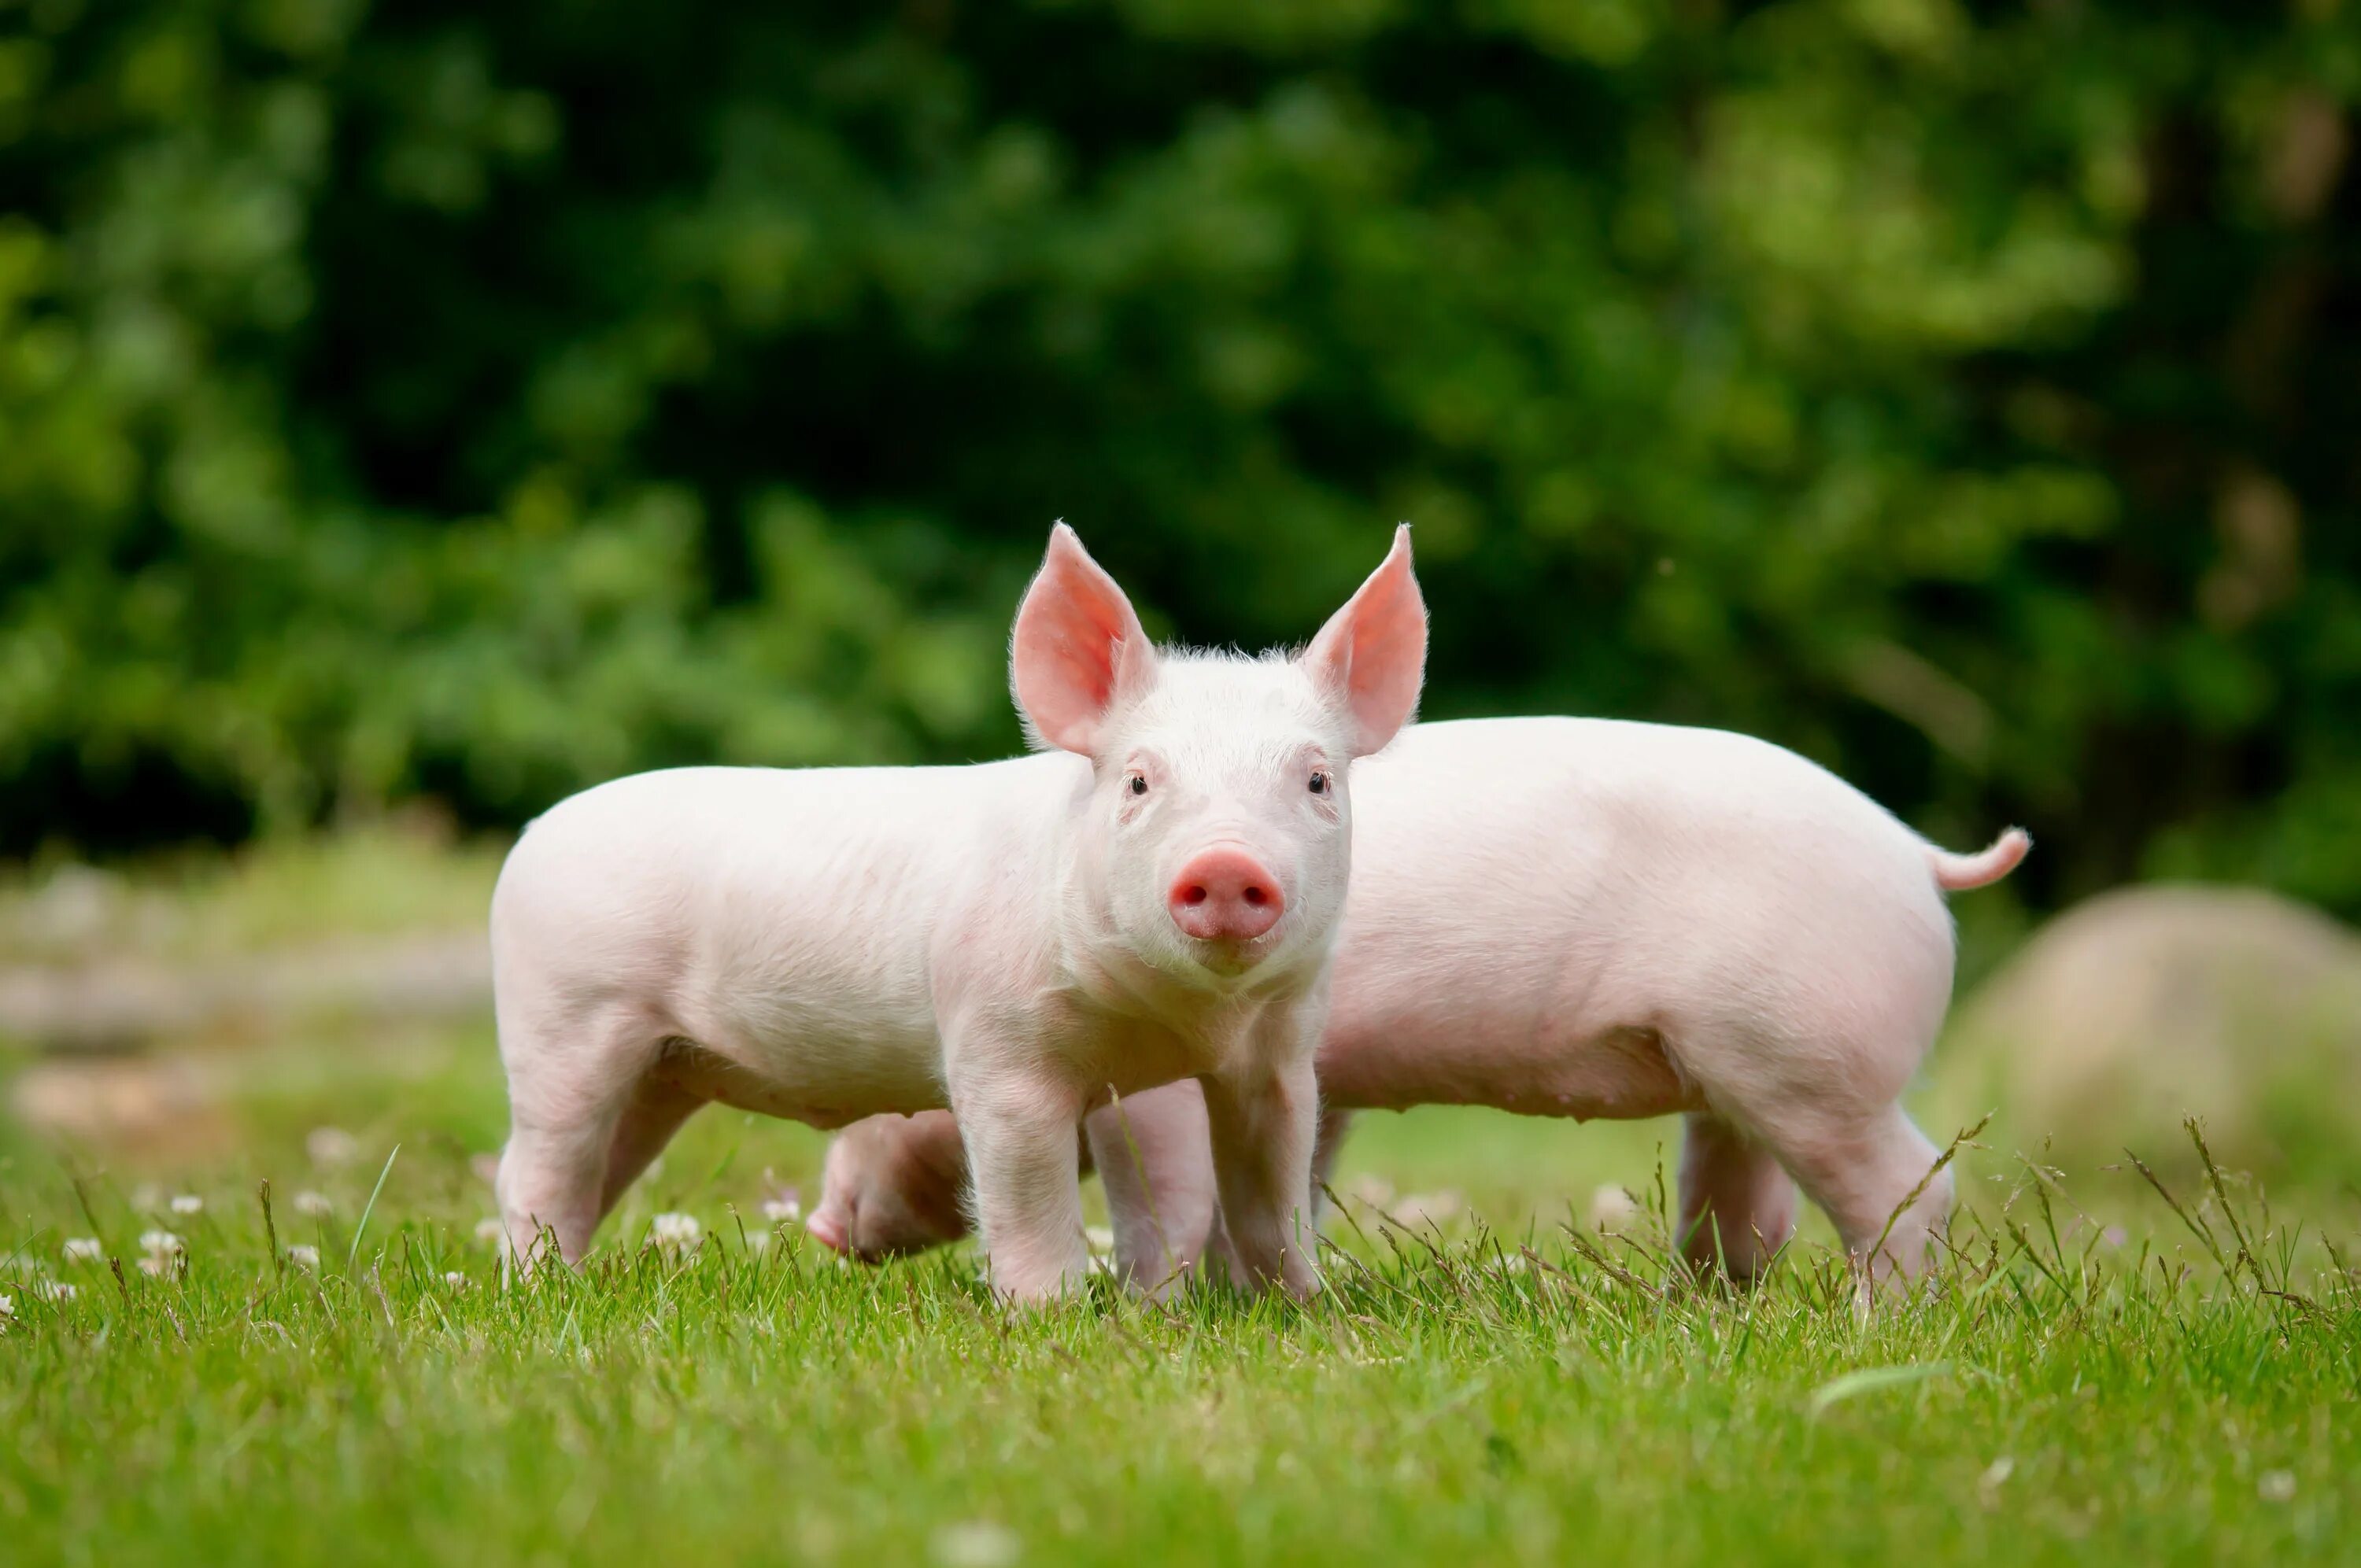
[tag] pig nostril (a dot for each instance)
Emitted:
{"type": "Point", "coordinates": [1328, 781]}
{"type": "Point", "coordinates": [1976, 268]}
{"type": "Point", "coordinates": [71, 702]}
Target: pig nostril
{"type": "Point", "coordinates": [1193, 895]}
{"type": "Point", "coordinates": [1255, 896]}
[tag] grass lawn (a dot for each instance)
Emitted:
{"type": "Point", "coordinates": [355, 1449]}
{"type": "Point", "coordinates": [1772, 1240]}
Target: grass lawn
{"type": "Point", "coordinates": [2119, 1384]}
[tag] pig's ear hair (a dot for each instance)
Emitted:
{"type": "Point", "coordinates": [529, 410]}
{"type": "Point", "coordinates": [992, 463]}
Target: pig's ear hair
{"type": "Point", "coordinates": [1077, 648]}
{"type": "Point", "coordinates": [1372, 652]}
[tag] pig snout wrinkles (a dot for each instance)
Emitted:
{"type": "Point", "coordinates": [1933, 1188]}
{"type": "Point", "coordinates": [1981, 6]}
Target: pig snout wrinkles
{"type": "Point", "coordinates": [1224, 894]}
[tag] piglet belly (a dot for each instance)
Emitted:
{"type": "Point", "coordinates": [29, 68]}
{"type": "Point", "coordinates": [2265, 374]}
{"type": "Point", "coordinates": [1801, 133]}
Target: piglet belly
{"type": "Point", "coordinates": [824, 1066]}
{"type": "Point", "coordinates": [1520, 1059]}
{"type": "Point", "coordinates": [828, 1098]}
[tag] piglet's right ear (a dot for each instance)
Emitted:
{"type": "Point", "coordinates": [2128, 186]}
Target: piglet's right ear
{"type": "Point", "coordinates": [1077, 648]}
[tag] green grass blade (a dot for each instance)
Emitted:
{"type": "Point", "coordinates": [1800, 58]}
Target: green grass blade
{"type": "Point", "coordinates": [369, 1208]}
{"type": "Point", "coordinates": [1871, 1378]}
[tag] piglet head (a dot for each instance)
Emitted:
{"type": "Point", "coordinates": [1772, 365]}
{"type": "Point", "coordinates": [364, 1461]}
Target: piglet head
{"type": "Point", "coordinates": [1216, 837]}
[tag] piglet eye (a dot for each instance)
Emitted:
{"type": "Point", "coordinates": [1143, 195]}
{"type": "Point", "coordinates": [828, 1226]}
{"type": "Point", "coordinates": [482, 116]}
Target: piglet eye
{"type": "Point", "coordinates": [1320, 783]}
{"type": "Point", "coordinates": [1138, 785]}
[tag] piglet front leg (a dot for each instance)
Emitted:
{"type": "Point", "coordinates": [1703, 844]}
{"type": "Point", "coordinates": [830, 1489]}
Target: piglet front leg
{"type": "Point", "coordinates": [1264, 1124]}
{"type": "Point", "coordinates": [1019, 1130]}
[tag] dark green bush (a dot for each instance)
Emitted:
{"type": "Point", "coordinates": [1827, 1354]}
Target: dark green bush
{"type": "Point", "coordinates": [480, 401]}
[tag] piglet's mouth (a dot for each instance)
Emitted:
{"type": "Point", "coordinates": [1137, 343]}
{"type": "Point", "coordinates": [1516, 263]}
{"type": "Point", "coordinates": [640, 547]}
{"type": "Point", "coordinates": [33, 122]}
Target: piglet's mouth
{"type": "Point", "coordinates": [1232, 958]}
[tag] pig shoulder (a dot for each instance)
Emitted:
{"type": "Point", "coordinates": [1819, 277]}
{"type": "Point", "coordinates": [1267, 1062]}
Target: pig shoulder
{"type": "Point", "coordinates": [841, 873]}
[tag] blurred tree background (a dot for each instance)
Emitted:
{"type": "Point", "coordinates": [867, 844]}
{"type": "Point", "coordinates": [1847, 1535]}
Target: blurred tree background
{"type": "Point", "coordinates": [475, 401]}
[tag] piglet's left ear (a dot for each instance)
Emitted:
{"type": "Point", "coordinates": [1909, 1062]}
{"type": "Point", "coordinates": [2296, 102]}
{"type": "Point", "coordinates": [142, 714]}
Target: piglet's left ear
{"type": "Point", "coordinates": [1372, 652]}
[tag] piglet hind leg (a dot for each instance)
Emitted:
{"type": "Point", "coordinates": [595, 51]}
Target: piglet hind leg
{"type": "Point", "coordinates": [1151, 1151]}
{"type": "Point", "coordinates": [1877, 1177]}
{"type": "Point", "coordinates": [572, 1090]}
{"type": "Point", "coordinates": [1738, 1203]}
{"type": "Point", "coordinates": [652, 1115]}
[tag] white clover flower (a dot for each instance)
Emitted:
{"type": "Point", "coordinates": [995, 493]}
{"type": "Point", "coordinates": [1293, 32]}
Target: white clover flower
{"type": "Point", "coordinates": [304, 1256]}
{"type": "Point", "coordinates": [7, 1306]}
{"type": "Point", "coordinates": [312, 1205]}
{"type": "Point", "coordinates": [490, 1231]}
{"type": "Point", "coordinates": [55, 1290]}
{"type": "Point", "coordinates": [783, 1210]}
{"type": "Point", "coordinates": [1101, 1238]}
{"type": "Point", "coordinates": [83, 1249]}
{"type": "Point", "coordinates": [156, 1266]}
{"type": "Point", "coordinates": [979, 1543]}
{"type": "Point", "coordinates": [160, 1244]}
{"type": "Point", "coordinates": [1427, 1209]}
{"type": "Point", "coordinates": [758, 1241]}
{"type": "Point", "coordinates": [676, 1231]}
{"type": "Point", "coordinates": [455, 1279]}
{"type": "Point", "coordinates": [331, 1147]}
{"type": "Point", "coordinates": [187, 1203]}
{"type": "Point", "coordinates": [1611, 1210]}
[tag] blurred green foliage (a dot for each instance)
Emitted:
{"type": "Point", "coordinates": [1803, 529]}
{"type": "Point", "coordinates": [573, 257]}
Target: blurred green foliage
{"type": "Point", "coordinates": [480, 401]}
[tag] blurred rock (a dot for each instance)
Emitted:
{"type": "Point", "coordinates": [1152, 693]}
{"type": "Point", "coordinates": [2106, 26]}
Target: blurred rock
{"type": "Point", "coordinates": [2140, 1007]}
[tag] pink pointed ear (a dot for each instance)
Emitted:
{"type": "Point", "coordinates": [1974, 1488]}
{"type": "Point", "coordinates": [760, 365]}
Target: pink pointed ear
{"type": "Point", "coordinates": [1372, 652]}
{"type": "Point", "coordinates": [1077, 647]}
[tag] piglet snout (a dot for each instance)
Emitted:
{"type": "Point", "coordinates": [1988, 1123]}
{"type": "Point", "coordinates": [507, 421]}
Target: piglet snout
{"type": "Point", "coordinates": [1225, 896]}
{"type": "Point", "coordinates": [828, 1227]}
